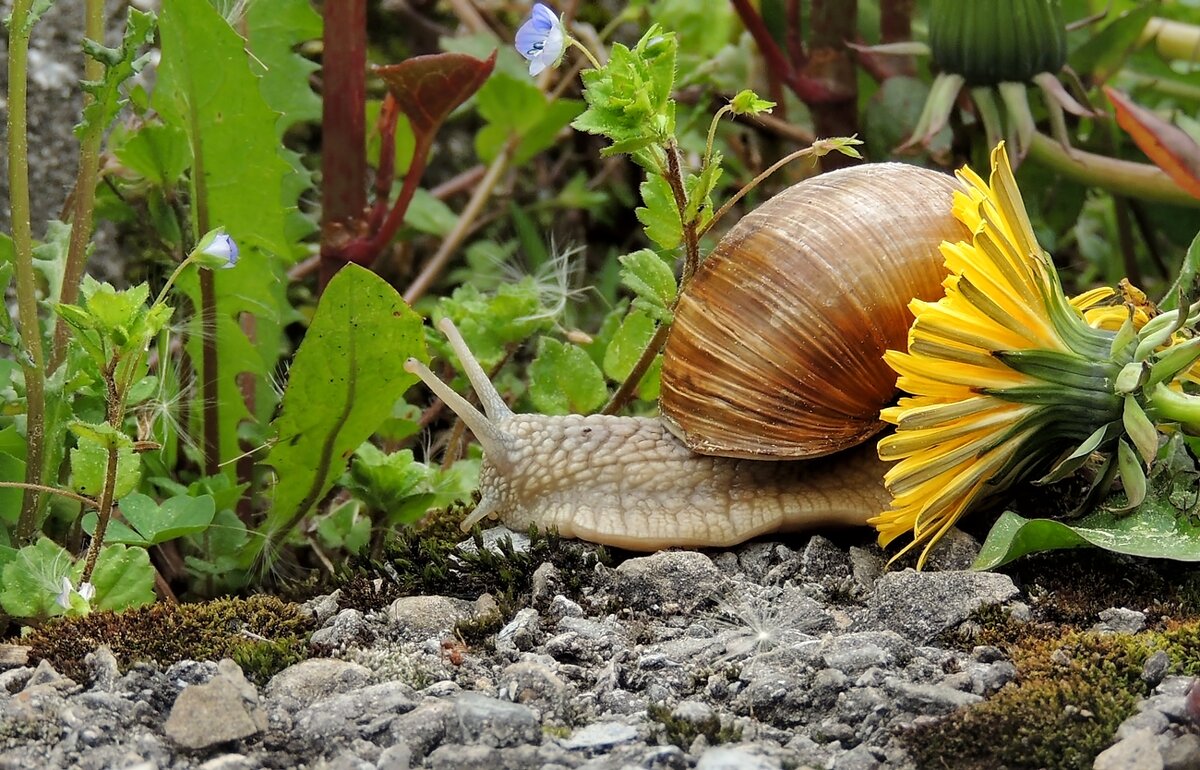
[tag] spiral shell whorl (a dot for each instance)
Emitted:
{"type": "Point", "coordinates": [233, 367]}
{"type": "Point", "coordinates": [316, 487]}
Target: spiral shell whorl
{"type": "Point", "coordinates": [777, 345]}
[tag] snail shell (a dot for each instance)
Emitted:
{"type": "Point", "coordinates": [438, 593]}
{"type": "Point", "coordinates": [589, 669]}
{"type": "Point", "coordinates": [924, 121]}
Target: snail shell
{"type": "Point", "coordinates": [777, 346]}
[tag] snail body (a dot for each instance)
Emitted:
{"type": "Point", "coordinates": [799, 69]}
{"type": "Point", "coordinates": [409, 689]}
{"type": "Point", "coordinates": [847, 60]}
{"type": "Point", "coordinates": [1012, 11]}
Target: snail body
{"type": "Point", "coordinates": [775, 353]}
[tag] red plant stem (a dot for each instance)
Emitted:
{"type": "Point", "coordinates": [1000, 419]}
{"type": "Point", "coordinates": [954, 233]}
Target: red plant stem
{"type": "Point", "coordinates": [389, 114]}
{"type": "Point", "coordinates": [343, 130]}
{"type": "Point", "coordinates": [364, 250]}
{"type": "Point", "coordinates": [795, 34]}
{"type": "Point", "coordinates": [808, 90]}
{"type": "Point", "coordinates": [895, 26]}
{"type": "Point", "coordinates": [830, 63]}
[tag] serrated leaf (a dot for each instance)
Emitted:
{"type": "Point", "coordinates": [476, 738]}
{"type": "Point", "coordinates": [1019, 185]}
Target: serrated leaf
{"type": "Point", "coordinates": [345, 377]}
{"type": "Point", "coordinates": [89, 464]}
{"type": "Point", "coordinates": [564, 380]}
{"type": "Point", "coordinates": [120, 65]}
{"type": "Point", "coordinates": [123, 578]}
{"type": "Point", "coordinates": [628, 344]}
{"type": "Point", "coordinates": [659, 216]}
{"type": "Point", "coordinates": [652, 280]}
{"type": "Point", "coordinates": [276, 30]}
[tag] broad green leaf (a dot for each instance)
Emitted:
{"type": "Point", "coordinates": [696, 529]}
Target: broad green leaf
{"type": "Point", "coordinates": [228, 122]}
{"type": "Point", "coordinates": [346, 527]}
{"type": "Point", "coordinates": [515, 107]}
{"type": "Point", "coordinates": [123, 578]}
{"type": "Point", "coordinates": [153, 524]}
{"type": "Point", "coordinates": [11, 469]}
{"type": "Point", "coordinates": [430, 215]}
{"type": "Point", "coordinates": [652, 280]}
{"type": "Point", "coordinates": [275, 31]}
{"type": "Point", "coordinates": [345, 377]}
{"type": "Point", "coordinates": [659, 216]}
{"type": "Point", "coordinates": [158, 152]}
{"type": "Point", "coordinates": [89, 464]}
{"type": "Point", "coordinates": [627, 344]}
{"type": "Point", "coordinates": [1105, 51]}
{"type": "Point", "coordinates": [32, 579]}
{"type": "Point", "coordinates": [563, 379]}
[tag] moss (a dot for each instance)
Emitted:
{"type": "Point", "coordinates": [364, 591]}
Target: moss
{"type": "Point", "coordinates": [1074, 688]}
{"type": "Point", "coordinates": [683, 733]}
{"type": "Point", "coordinates": [425, 560]}
{"type": "Point", "coordinates": [261, 633]}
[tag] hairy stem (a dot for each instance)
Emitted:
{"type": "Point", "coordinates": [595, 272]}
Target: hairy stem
{"type": "Point", "coordinates": [85, 186]}
{"type": "Point", "coordinates": [103, 514]}
{"type": "Point", "coordinates": [32, 363]}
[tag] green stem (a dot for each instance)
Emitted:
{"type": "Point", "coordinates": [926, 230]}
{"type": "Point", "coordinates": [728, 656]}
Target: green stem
{"type": "Point", "coordinates": [85, 187]}
{"type": "Point", "coordinates": [32, 362]}
{"type": "Point", "coordinates": [1172, 406]}
{"type": "Point", "coordinates": [590, 56]}
{"type": "Point", "coordinates": [103, 514]}
{"type": "Point", "coordinates": [1137, 180]}
{"type": "Point", "coordinates": [712, 132]}
{"type": "Point", "coordinates": [87, 502]}
{"type": "Point", "coordinates": [755, 182]}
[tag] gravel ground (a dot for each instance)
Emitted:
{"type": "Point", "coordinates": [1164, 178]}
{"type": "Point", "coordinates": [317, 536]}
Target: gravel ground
{"type": "Point", "coordinates": [808, 654]}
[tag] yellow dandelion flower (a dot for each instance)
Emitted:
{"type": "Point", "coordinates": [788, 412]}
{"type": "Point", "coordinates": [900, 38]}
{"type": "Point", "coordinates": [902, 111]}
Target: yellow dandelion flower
{"type": "Point", "coordinates": [1007, 376]}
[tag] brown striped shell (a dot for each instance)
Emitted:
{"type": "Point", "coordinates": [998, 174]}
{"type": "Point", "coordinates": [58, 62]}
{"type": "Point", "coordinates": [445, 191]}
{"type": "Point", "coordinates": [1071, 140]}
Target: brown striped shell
{"type": "Point", "coordinates": [776, 350]}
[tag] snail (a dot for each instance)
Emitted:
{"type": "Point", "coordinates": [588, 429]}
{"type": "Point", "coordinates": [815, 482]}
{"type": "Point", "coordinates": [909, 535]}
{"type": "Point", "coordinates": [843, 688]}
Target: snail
{"type": "Point", "coordinates": [775, 354]}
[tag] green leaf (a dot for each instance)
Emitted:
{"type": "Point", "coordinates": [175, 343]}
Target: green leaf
{"type": "Point", "coordinates": [659, 216]}
{"type": "Point", "coordinates": [158, 152]}
{"type": "Point", "coordinates": [89, 461]}
{"type": "Point", "coordinates": [32, 579]}
{"type": "Point", "coordinates": [629, 98]}
{"type": "Point", "coordinates": [153, 524]}
{"type": "Point", "coordinates": [123, 578]}
{"type": "Point", "coordinates": [345, 377]}
{"type": "Point", "coordinates": [490, 323]}
{"type": "Point", "coordinates": [652, 280]}
{"type": "Point", "coordinates": [228, 121]}
{"type": "Point", "coordinates": [627, 344]}
{"type": "Point", "coordinates": [1105, 51]}
{"type": "Point", "coordinates": [383, 481]}
{"type": "Point", "coordinates": [429, 215]}
{"type": "Point", "coordinates": [275, 32]}
{"type": "Point", "coordinates": [563, 379]}
{"type": "Point", "coordinates": [346, 527]}
{"type": "Point", "coordinates": [120, 64]}
{"type": "Point", "coordinates": [515, 107]}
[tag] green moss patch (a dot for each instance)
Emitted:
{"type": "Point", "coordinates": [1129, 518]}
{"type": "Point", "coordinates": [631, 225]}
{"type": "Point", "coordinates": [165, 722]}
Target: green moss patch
{"type": "Point", "coordinates": [261, 633]}
{"type": "Point", "coordinates": [1074, 688]}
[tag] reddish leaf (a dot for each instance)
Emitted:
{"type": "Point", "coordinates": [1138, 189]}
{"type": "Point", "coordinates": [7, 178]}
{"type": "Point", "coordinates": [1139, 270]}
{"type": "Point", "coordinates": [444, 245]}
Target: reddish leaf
{"type": "Point", "coordinates": [428, 88]}
{"type": "Point", "coordinates": [1169, 147]}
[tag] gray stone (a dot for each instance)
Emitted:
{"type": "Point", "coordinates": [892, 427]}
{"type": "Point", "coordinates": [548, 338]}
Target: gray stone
{"type": "Point", "coordinates": [13, 656]}
{"type": "Point", "coordinates": [855, 653]}
{"type": "Point", "coordinates": [1119, 620]}
{"type": "Point", "coordinates": [361, 713]}
{"type": "Point", "coordinates": [823, 561]}
{"type": "Point", "coordinates": [698, 714]}
{"type": "Point", "coordinates": [599, 736]}
{"type": "Point", "coordinates": [421, 617]}
{"type": "Point", "coordinates": [520, 633]}
{"type": "Point", "coordinates": [45, 674]}
{"type": "Point", "coordinates": [866, 565]}
{"type": "Point", "coordinates": [423, 728]}
{"type": "Point", "coordinates": [922, 605]}
{"type": "Point", "coordinates": [103, 670]}
{"type": "Point", "coordinates": [221, 710]}
{"type": "Point", "coordinates": [455, 757]}
{"type": "Point", "coordinates": [479, 718]}
{"type": "Point", "coordinates": [857, 758]}
{"type": "Point", "coordinates": [230, 762]}
{"type": "Point", "coordinates": [546, 584]}
{"type": "Point", "coordinates": [928, 698]}
{"type": "Point", "coordinates": [736, 758]}
{"type": "Point", "coordinates": [1155, 668]}
{"type": "Point", "coordinates": [956, 550]}
{"type": "Point", "coordinates": [562, 607]}
{"type": "Point", "coordinates": [316, 679]}
{"type": "Point", "coordinates": [1181, 752]}
{"type": "Point", "coordinates": [668, 581]}
{"type": "Point", "coordinates": [347, 629]}
{"type": "Point", "coordinates": [536, 685]}
{"type": "Point", "coordinates": [1138, 751]}
{"type": "Point", "coordinates": [1148, 719]}
{"type": "Point", "coordinates": [322, 608]}
{"type": "Point", "coordinates": [395, 757]}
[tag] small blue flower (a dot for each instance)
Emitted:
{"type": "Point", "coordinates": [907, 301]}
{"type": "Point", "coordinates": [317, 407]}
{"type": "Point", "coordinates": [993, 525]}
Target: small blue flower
{"type": "Point", "coordinates": [541, 40]}
{"type": "Point", "coordinates": [223, 247]}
